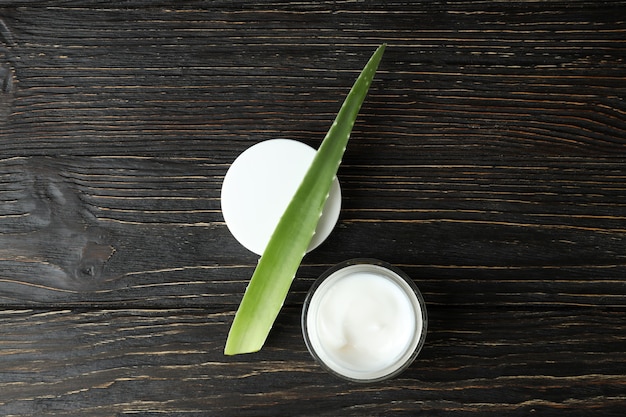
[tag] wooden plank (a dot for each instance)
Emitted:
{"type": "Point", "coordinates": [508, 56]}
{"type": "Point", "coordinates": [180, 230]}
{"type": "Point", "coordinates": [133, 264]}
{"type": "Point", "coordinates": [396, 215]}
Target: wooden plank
{"type": "Point", "coordinates": [155, 362]}
{"type": "Point", "coordinates": [458, 81]}
{"type": "Point", "coordinates": [145, 231]}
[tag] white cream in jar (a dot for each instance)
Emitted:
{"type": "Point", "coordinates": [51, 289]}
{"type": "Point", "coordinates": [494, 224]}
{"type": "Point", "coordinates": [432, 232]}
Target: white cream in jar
{"type": "Point", "coordinates": [364, 321]}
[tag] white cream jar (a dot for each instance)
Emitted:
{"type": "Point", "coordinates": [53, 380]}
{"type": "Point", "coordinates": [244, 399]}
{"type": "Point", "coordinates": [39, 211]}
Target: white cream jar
{"type": "Point", "coordinates": [364, 320]}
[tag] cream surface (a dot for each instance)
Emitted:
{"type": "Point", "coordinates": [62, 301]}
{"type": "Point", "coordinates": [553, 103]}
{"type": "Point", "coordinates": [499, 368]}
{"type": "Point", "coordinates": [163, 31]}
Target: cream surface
{"type": "Point", "coordinates": [363, 324]}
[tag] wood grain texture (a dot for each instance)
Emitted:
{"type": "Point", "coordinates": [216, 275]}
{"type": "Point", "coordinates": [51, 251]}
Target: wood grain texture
{"type": "Point", "coordinates": [488, 162]}
{"type": "Point", "coordinates": [170, 362]}
{"type": "Point", "coordinates": [147, 231]}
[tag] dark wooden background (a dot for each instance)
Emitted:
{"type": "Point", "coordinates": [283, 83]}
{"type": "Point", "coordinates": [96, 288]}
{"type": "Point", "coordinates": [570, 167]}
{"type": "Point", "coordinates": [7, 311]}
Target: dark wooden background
{"type": "Point", "coordinates": [488, 162]}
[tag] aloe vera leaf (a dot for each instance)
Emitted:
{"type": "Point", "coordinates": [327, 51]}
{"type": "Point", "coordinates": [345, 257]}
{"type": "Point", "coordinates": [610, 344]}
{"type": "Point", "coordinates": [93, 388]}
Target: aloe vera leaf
{"type": "Point", "coordinates": [287, 246]}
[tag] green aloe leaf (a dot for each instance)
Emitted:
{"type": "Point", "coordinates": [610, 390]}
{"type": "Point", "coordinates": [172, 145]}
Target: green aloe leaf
{"type": "Point", "coordinates": [287, 246]}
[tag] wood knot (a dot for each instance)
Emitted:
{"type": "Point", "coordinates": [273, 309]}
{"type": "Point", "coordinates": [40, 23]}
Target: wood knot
{"type": "Point", "coordinates": [93, 258]}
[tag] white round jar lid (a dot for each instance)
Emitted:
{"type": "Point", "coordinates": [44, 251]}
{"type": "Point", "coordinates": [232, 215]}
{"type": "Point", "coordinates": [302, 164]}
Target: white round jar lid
{"type": "Point", "coordinates": [258, 187]}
